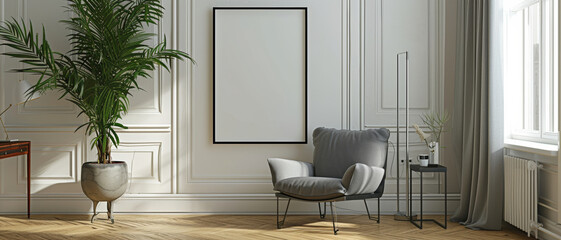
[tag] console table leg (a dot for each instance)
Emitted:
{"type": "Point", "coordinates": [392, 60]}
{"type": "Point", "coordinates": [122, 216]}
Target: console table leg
{"type": "Point", "coordinates": [445, 199]}
{"type": "Point", "coordinates": [410, 195]}
{"type": "Point", "coordinates": [421, 193]}
{"type": "Point", "coordinates": [29, 181]}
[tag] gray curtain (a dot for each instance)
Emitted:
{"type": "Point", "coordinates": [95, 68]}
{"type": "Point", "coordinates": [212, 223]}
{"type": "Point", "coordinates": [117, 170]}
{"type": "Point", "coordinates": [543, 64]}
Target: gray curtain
{"type": "Point", "coordinates": [478, 114]}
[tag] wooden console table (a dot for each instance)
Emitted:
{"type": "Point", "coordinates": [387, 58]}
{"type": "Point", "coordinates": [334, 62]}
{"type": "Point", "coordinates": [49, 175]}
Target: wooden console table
{"type": "Point", "coordinates": [12, 149]}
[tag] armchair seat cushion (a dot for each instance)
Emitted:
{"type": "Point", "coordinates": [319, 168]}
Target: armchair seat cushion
{"type": "Point", "coordinates": [311, 188]}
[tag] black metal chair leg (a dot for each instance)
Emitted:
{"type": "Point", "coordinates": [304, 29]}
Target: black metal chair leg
{"type": "Point", "coordinates": [368, 212]}
{"type": "Point", "coordinates": [334, 217]}
{"type": "Point", "coordinates": [322, 215]}
{"type": "Point", "coordinates": [378, 220]}
{"type": "Point", "coordinates": [281, 223]}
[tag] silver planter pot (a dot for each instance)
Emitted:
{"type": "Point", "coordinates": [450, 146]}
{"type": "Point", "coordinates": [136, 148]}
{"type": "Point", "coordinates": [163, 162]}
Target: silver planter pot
{"type": "Point", "coordinates": [104, 183]}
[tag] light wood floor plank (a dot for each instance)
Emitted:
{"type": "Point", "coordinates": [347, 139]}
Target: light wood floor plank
{"type": "Point", "coordinates": [237, 227]}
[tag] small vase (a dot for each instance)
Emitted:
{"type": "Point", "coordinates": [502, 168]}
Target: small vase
{"type": "Point", "coordinates": [434, 153]}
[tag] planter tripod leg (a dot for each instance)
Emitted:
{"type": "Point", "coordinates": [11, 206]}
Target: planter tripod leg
{"type": "Point", "coordinates": [95, 211]}
{"type": "Point", "coordinates": [110, 211]}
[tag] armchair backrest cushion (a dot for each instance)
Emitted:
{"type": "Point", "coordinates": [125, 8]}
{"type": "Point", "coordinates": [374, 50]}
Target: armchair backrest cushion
{"type": "Point", "coordinates": [336, 150]}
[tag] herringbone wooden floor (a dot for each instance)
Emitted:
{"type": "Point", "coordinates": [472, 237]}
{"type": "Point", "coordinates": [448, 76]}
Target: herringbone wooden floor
{"type": "Point", "coordinates": [139, 227]}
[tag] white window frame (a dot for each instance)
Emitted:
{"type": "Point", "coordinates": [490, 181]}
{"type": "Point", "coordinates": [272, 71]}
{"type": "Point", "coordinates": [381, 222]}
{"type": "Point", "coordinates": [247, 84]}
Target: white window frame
{"type": "Point", "coordinates": [541, 135]}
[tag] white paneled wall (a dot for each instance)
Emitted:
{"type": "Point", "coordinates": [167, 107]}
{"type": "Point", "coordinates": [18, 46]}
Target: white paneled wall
{"type": "Point", "coordinates": [174, 165]}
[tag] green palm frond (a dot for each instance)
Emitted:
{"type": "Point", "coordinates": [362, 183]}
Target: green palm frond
{"type": "Point", "coordinates": [110, 52]}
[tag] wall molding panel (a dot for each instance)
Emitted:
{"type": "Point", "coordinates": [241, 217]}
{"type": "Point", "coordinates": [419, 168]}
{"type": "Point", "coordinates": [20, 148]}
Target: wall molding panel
{"type": "Point", "coordinates": [169, 143]}
{"type": "Point", "coordinates": [148, 170]}
{"type": "Point", "coordinates": [380, 79]}
{"type": "Point", "coordinates": [157, 85]}
{"type": "Point", "coordinates": [345, 64]}
{"type": "Point", "coordinates": [49, 103]}
{"type": "Point", "coordinates": [153, 105]}
{"type": "Point", "coordinates": [56, 171]}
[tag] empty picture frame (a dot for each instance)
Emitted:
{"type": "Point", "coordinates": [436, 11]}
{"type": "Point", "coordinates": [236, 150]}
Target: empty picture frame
{"type": "Point", "coordinates": [260, 75]}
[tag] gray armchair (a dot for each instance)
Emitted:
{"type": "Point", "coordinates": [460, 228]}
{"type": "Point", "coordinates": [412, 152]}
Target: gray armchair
{"type": "Point", "coordinates": [347, 165]}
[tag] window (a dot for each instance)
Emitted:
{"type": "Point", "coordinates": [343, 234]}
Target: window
{"type": "Point", "coordinates": [531, 63]}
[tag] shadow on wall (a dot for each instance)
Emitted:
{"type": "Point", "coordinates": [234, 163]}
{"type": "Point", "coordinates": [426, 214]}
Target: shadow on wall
{"type": "Point", "coordinates": [49, 200]}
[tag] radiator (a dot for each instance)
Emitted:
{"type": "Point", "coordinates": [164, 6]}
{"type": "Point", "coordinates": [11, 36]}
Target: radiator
{"type": "Point", "coordinates": [521, 194]}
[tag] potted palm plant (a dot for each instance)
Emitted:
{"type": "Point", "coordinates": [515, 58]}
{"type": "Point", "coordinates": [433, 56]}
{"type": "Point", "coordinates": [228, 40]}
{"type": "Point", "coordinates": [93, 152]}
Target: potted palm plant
{"type": "Point", "coordinates": [98, 75]}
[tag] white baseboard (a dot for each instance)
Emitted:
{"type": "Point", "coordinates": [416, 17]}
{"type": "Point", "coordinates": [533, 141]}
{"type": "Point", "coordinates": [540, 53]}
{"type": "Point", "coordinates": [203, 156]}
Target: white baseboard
{"type": "Point", "coordinates": [211, 204]}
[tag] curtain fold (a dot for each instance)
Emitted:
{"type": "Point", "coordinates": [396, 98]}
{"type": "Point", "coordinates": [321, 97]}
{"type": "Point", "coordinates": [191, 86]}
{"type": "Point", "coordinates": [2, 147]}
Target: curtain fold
{"type": "Point", "coordinates": [478, 114]}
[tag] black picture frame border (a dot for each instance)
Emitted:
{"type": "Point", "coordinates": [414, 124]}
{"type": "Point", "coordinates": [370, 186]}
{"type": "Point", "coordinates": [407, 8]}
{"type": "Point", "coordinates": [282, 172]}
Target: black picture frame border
{"type": "Point", "coordinates": [214, 75]}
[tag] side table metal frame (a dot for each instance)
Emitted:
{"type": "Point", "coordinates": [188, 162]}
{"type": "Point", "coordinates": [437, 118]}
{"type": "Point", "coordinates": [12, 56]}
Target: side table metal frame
{"type": "Point", "coordinates": [435, 169]}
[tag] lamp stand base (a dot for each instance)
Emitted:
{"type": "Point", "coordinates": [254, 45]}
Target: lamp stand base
{"type": "Point", "coordinates": [403, 217]}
